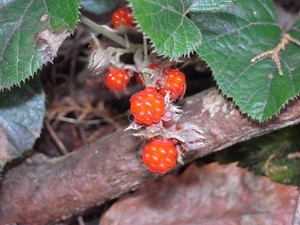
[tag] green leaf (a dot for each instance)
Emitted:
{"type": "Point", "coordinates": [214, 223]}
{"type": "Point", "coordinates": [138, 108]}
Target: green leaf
{"type": "Point", "coordinates": [22, 111]}
{"type": "Point", "coordinates": [165, 22]}
{"type": "Point", "coordinates": [275, 155]}
{"type": "Point", "coordinates": [207, 5]}
{"type": "Point", "coordinates": [99, 6]}
{"type": "Point", "coordinates": [31, 32]}
{"type": "Point", "coordinates": [236, 34]}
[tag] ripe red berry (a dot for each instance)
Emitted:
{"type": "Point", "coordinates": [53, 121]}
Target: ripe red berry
{"type": "Point", "coordinates": [160, 155]}
{"type": "Point", "coordinates": [172, 81]}
{"type": "Point", "coordinates": [122, 16]}
{"type": "Point", "coordinates": [116, 79]}
{"type": "Point", "coordinates": [147, 106]}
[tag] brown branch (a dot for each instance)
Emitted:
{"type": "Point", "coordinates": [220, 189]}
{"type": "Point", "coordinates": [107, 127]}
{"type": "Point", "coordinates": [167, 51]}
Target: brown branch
{"type": "Point", "coordinates": [42, 190]}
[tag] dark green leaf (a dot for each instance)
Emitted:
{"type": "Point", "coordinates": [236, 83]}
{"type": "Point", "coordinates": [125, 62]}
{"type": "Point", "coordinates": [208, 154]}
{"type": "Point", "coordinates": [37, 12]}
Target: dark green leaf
{"type": "Point", "coordinates": [99, 6]}
{"type": "Point", "coordinates": [30, 33]}
{"type": "Point", "coordinates": [22, 111]}
{"type": "Point", "coordinates": [232, 37]}
{"type": "Point", "coordinates": [166, 24]}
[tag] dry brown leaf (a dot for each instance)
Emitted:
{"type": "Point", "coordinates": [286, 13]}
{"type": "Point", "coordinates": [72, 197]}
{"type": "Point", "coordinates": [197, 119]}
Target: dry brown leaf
{"type": "Point", "coordinates": [48, 42]}
{"type": "Point", "coordinates": [209, 195]}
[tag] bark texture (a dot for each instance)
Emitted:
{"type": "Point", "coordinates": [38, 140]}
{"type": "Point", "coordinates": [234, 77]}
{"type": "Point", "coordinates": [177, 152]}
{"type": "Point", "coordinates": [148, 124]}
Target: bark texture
{"type": "Point", "coordinates": [43, 190]}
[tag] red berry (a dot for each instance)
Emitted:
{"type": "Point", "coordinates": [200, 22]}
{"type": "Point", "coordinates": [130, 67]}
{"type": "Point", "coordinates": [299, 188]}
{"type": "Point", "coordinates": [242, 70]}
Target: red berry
{"type": "Point", "coordinates": [160, 155]}
{"type": "Point", "coordinates": [116, 79]}
{"type": "Point", "coordinates": [122, 16]}
{"type": "Point", "coordinates": [172, 81]}
{"type": "Point", "coordinates": [147, 106]}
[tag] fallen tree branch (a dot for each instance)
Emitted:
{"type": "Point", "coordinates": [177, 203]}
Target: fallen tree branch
{"type": "Point", "coordinates": [43, 190]}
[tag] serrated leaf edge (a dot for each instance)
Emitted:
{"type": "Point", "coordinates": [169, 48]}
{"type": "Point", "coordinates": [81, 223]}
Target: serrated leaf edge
{"type": "Point", "coordinates": [261, 121]}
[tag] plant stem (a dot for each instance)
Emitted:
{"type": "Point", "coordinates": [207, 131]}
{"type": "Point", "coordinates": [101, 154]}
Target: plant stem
{"type": "Point", "coordinates": [102, 30]}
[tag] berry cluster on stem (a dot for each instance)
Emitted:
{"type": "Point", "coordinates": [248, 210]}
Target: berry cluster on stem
{"type": "Point", "coordinates": [155, 116]}
{"type": "Point", "coordinates": [154, 108]}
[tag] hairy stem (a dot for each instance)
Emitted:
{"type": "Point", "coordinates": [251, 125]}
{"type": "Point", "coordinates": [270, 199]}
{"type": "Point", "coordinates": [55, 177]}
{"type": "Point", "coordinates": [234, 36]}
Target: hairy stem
{"type": "Point", "coordinates": [103, 30]}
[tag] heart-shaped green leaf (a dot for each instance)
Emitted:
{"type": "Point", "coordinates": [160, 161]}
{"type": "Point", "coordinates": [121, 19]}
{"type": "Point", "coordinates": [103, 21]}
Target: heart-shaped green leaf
{"type": "Point", "coordinates": [22, 111]}
{"type": "Point", "coordinates": [236, 34]}
{"type": "Point", "coordinates": [31, 32]}
{"type": "Point", "coordinates": [166, 24]}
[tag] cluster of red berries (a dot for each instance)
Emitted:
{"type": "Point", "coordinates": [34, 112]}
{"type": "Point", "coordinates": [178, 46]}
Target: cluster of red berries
{"type": "Point", "coordinates": [118, 79]}
{"type": "Point", "coordinates": [148, 108]}
{"type": "Point", "coordinates": [153, 108]}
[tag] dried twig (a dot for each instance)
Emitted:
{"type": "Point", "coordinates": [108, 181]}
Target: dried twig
{"type": "Point", "coordinates": [56, 139]}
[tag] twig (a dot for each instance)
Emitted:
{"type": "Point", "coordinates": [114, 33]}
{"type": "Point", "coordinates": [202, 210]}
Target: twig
{"type": "Point", "coordinates": [52, 133]}
{"type": "Point", "coordinates": [79, 122]}
{"type": "Point", "coordinates": [274, 53]}
{"type": "Point", "coordinates": [80, 220]}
